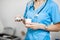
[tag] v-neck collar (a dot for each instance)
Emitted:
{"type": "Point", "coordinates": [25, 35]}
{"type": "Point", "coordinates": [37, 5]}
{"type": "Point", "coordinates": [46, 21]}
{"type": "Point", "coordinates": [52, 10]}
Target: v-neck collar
{"type": "Point", "coordinates": [39, 8]}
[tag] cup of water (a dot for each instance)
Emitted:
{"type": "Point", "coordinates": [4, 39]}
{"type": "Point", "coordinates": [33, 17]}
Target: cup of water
{"type": "Point", "coordinates": [28, 20]}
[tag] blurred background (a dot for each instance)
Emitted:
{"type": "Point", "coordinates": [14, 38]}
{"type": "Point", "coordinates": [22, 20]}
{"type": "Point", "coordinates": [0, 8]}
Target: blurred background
{"type": "Point", "coordinates": [9, 9]}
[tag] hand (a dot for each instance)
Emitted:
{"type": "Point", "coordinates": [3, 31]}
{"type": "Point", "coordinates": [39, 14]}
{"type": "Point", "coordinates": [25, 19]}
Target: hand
{"type": "Point", "coordinates": [18, 19]}
{"type": "Point", "coordinates": [35, 26]}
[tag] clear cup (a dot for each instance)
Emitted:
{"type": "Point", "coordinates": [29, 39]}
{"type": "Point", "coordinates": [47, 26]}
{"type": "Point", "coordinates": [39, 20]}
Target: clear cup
{"type": "Point", "coordinates": [28, 20]}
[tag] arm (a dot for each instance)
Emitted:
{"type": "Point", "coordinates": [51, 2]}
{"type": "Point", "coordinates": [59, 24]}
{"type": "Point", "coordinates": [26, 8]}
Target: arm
{"type": "Point", "coordinates": [53, 28]}
{"type": "Point", "coordinates": [55, 16]}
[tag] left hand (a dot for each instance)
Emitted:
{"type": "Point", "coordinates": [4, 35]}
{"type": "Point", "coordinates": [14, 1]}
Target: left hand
{"type": "Point", "coordinates": [35, 26]}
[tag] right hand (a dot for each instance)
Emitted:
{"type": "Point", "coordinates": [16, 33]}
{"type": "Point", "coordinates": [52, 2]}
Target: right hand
{"type": "Point", "coordinates": [19, 19]}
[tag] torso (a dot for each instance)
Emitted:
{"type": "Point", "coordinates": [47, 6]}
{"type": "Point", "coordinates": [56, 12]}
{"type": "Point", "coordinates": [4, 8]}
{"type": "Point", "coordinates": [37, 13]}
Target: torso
{"type": "Point", "coordinates": [44, 18]}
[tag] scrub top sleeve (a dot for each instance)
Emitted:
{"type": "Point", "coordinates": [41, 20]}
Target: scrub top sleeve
{"type": "Point", "coordinates": [25, 13]}
{"type": "Point", "coordinates": [55, 14]}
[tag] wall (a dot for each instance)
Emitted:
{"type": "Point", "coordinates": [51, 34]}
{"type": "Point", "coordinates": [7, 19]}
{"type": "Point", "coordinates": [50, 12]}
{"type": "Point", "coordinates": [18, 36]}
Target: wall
{"type": "Point", "coordinates": [1, 27]}
{"type": "Point", "coordinates": [10, 8]}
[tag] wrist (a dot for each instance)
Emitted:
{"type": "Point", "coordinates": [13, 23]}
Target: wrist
{"type": "Point", "coordinates": [45, 27]}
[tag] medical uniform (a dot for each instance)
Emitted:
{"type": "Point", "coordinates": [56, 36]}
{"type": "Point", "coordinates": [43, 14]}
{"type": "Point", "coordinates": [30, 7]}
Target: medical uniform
{"type": "Point", "coordinates": [46, 15]}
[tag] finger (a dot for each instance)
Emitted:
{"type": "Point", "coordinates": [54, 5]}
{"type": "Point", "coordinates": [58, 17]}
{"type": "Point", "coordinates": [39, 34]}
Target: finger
{"type": "Point", "coordinates": [29, 25]}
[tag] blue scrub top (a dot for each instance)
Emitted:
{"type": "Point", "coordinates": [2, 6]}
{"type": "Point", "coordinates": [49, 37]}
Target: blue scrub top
{"type": "Point", "coordinates": [49, 14]}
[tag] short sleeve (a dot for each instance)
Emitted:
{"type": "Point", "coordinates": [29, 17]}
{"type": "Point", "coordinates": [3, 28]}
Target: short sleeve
{"type": "Point", "coordinates": [25, 13]}
{"type": "Point", "coordinates": [55, 14]}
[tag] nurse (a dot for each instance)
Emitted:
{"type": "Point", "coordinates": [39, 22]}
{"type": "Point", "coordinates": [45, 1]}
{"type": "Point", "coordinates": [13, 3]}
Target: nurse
{"type": "Point", "coordinates": [41, 13]}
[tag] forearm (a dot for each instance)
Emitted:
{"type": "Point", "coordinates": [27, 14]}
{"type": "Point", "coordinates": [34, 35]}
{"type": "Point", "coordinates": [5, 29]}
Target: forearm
{"type": "Point", "coordinates": [54, 28]}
